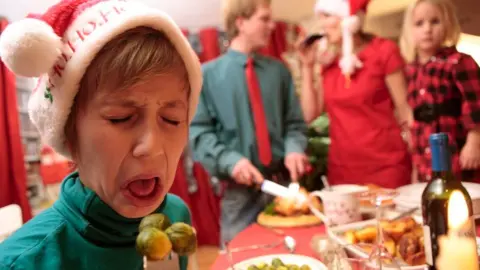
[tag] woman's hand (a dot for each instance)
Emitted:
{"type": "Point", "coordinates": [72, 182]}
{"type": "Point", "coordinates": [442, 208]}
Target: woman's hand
{"type": "Point", "coordinates": [306, 54]}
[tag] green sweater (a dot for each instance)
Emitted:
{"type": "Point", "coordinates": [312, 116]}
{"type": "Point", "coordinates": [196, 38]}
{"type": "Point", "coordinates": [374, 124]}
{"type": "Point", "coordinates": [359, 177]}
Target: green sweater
{"type": "Point", "coordinates": [222, 131]}
{"type": "Point", "coordinates": [81, 232]}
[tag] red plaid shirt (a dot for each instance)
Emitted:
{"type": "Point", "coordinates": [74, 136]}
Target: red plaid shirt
{"type": "Point", "coordinates": [445, 97]}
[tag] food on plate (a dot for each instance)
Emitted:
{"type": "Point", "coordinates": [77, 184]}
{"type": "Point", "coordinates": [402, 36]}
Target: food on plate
{"type": "Point", "coordinates": [183, 238]}
{"type": "Point", "coordinates": [277, 264]}
{"type": "Point", "coordinates": [286, 212]}
{"type": "Point", "coordinates": [373, 189]}
{"type": "Point", "coordinates": [403, 238]}
{"type": "Point", "coordinates": [157, 237]}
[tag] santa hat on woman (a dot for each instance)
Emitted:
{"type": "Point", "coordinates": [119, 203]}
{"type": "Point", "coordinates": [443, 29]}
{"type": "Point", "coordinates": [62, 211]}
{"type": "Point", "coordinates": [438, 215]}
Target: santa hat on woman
{"type": "Point", "coordinates": [59, 45]}
{"type": "Point", "coordinates": [352, 13]}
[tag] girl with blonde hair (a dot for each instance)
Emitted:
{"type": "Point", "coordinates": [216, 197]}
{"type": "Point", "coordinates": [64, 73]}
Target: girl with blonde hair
{"type": "Point", "coordinates": [443, 88]}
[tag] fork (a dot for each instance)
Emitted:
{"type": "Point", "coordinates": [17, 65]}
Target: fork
{"type": "Point", "coordinates": [229, 256]}
{"type": "Point", "coordinates": [252, 247]}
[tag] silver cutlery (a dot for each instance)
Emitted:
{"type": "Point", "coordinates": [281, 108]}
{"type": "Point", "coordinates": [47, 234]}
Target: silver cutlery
{"type": "Point", "coordinates": [405, 214]}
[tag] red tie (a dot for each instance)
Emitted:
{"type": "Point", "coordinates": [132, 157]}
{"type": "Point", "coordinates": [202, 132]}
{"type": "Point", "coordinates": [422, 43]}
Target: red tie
{"type": "Point", "coordinates": [259, 119]}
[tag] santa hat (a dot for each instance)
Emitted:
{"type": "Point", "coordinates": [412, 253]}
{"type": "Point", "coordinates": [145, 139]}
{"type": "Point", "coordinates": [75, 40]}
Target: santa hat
{"type": "Point", "coordinates": [59, 45]}
{"type": "Point", "coordinates": [352, 13]}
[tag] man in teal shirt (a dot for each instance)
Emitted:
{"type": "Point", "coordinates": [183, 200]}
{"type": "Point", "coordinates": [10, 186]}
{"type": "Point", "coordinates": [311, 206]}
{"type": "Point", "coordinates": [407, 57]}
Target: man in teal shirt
{"type": "Point", "coordinates": [224, 133]}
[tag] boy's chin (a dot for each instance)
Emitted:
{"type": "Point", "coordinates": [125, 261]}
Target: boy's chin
{"type": "Point", "coordinates": [132, 211]}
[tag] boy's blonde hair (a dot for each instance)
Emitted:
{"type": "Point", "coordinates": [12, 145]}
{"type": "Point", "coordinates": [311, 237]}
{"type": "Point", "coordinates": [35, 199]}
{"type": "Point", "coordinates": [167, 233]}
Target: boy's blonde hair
{"type": "Point", "coordinates": [234, 9]}
{"type": "Point", "coordinates": [127, 59]}
{"type": "Point", "coordinates": [450, 20]}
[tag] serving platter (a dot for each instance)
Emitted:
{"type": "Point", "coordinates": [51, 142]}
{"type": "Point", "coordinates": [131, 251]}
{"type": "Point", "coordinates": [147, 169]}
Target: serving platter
{"type": "Point", "coordinates": [337, 234]}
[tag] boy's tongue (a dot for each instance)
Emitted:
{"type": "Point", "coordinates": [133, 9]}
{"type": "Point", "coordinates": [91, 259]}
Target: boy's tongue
{"type": "Point", "coordinates": [141, 188]}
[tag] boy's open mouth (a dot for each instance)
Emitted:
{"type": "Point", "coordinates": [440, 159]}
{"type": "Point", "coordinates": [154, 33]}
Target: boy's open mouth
{"type": "Point", "coordinates": [143, 192]}
{"type": "Point", "coordinates": [143, 187]}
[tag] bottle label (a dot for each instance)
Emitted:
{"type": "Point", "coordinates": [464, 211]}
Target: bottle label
{"type": "Point", "coordinates": [428, 245]}
{"type": "Point", "coordinates": [467, 229]}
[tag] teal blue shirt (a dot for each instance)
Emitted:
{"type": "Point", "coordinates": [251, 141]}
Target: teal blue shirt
{"type": "Point", "coordinates": [81, 232]}
{"type": "Point", "coordinates": [222, 131]}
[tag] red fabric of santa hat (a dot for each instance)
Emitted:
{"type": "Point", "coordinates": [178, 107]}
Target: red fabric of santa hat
{"type": "Point", "coordinates": [59, 45]}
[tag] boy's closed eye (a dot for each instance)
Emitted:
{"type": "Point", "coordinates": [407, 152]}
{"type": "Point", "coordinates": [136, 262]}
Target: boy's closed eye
{"type": "Point", "coordinates": [119, 120]}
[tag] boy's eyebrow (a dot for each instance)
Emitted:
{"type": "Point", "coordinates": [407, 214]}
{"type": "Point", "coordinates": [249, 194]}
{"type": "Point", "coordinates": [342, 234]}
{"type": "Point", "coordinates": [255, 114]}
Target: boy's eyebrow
{"type": "Point", "coordinates": [172, 104]}
{"type": "Point", "coordinates": [133, 103]}
{"type": "Point", "coordinates": [122, 102]}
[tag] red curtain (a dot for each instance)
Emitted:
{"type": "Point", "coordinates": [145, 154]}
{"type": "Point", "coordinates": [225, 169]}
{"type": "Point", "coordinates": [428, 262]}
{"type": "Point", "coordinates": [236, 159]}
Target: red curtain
{"type": "Point", "coordinates": [210, 44]}
{"type": "Point", "coordinates": [13, 177]}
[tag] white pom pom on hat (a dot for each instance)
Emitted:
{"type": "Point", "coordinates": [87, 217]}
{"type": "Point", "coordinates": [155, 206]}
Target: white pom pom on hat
{"type": "Point", "coordinates": [30, 47]}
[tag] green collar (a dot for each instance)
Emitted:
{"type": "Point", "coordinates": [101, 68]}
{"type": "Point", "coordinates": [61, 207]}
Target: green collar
{"type": "Point", "coordinates": [241, 57]}
{"type": "Point", "coordinates": [93, 218]}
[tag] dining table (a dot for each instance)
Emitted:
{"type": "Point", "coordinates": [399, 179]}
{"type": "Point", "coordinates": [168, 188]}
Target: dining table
{"type": "Point", "coordinates": [256, 234]}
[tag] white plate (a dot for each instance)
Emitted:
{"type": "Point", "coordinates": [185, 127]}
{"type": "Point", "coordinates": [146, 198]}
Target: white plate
{"type": "Point", "coordinates": [285, 258]}
{"type": "Point", "coordinates": [411, 196]}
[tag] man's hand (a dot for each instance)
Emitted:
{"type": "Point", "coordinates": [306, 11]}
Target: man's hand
{"type": "Point", "coordinates": [296, 164]}
{"type": "Point", "coordinates": [245, 173]}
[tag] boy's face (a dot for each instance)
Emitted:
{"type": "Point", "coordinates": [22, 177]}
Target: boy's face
{"type": "Point", "coordinates": [130, 141]}
{"type": "Point", "coordinates": [258, 28]}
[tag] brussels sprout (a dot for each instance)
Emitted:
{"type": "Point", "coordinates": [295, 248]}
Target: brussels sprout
{"type": "Point", "coordinates": [262, 266]}
{"type": "Point", "coordinates": [305, 267]}
{"type": "Point", "coordinates": [293, 267]}
{"type": "Point", "coordinates": [252, 267]}
{"type": "Point", "coordinates": [159, 221]}
{"type": "Point", "coordinates": [153, 243]}
{"type": "Point", "coordinates": [183, 238]}
{"type": "Point", "coordinates": [282, 268]}
{"type": "Point", "coordinates": [277, 262]}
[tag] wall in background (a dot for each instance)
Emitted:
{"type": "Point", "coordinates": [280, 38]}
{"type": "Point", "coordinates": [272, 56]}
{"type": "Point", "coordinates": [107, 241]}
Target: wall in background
{"type": "Point", "coordinates": [385, 16]}
{"type": "Point", "coordinates": [191, 14]}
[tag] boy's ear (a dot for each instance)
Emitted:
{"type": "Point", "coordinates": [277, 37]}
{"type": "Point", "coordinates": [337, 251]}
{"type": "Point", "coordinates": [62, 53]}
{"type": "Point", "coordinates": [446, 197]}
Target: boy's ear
{"type": "Point", "coordinates": [239, 23]}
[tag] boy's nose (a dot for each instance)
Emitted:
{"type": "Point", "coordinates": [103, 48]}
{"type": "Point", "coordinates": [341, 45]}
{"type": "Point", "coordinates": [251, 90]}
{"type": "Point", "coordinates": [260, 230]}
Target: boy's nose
{"type": "Point", "coordinates": [149, 144]}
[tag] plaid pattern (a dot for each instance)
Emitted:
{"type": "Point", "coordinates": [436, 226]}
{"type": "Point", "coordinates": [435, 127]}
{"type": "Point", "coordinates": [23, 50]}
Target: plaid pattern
{"type": "Point", "coordinates": [446, 90]}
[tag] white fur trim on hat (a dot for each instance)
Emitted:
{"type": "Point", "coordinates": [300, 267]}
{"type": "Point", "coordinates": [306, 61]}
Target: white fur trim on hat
{"type": "Point", "coordinates": [349, 61]}
{"type": "Point", "coordinates": [30, 47]}
{"type": "Point", "coordinates": [333, 7]}
{"type": "Point", "coordinates": [83, 39]}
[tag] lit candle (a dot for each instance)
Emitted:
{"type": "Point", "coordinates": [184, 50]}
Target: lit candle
{"type": "Point", "coordinates": [457, 252]}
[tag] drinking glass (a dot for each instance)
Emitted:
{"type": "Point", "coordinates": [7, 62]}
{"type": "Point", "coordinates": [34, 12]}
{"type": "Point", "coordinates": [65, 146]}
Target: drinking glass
{"type": "Point", "coordinates": [379, 258]}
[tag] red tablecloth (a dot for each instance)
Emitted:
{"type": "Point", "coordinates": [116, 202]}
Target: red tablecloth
{"type": "Point", "coordinates": [257, 235]}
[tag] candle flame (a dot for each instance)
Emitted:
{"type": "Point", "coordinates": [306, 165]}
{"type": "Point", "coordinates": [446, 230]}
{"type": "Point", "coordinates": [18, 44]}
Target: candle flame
{"type": "Point", "coordinates": [457, 210]}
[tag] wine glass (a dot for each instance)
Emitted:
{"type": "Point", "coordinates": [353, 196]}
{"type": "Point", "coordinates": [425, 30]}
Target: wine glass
{"type": "Point", "coordinates": [379, 257]}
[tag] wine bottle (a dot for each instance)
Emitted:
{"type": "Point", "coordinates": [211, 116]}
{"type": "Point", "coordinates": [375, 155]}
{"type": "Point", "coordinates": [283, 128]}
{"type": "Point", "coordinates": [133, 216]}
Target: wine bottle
{"type": "Point", "coordinates": [436, 196]}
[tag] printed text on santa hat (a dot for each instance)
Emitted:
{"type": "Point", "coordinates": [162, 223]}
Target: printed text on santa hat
{"type": "Point", "coordinates": [92, 19]}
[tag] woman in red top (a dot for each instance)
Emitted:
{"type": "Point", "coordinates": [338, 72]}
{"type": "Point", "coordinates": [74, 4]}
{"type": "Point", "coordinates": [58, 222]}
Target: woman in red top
{"type": "Point", "coordinates": [443, 88]}
{"type": "Point", "coordinates": [364, 95]}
